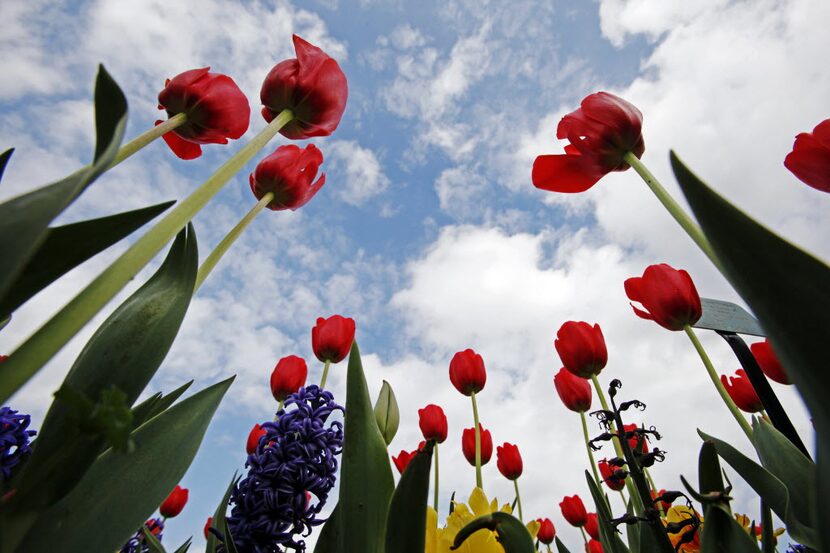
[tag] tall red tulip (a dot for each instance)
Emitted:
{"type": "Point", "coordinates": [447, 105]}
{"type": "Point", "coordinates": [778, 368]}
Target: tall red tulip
{"type": "Point", "coordinates": [312, 86]}
{"type": "Point", "coordinates": [468, 445]}
{"type": "Point", "coordinates": [288, 173]}
{"type": "Point", "coordinates": [769, 363]}
{"type": "Point", "coordinates": [331, 339]}
{"type": "Point", "coordinates": [810, 159]}
{"type": "Point", "coordinates": [592, 525]}
{"type": "Point", "coordinates": [288, 376]}
{"type": "Point", "coordinates": [668, 296]}
{"type": "Point", "coordinates": [433, 423]}
{"type": "Point", "coordinates": [581, 348]}
{"type": "Point", "coordinates": [546, 532]}
{"type": "Point", "coordinates": [174, 503]}
{"type": "Point", "coordinates": [573, 510]}
{"type": "Point", "coordinates": [467, 372]}
{"type": "Point", "coordinates": [600, 132]}
{"type": "Point", "coordinates": [509, 461]}
{"type": "Point", "coordinates": [216, 110]}
{"type": "Point", "coordinates": [741, 391]}
{"type": "Point", "coordinates": [609, 475]}
{"type": "Point", "coordinates": [575, 392]}
{"type": "Point", "coordinates": [254, 435]}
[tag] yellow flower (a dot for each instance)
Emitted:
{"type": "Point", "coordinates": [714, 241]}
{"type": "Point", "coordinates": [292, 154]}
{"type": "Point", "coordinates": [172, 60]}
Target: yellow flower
{"type": "Point", "coordinates": [744, 521]}
{"type": "Point", "coordinates": [680, 513]}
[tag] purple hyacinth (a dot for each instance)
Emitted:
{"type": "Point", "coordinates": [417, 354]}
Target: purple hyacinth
{"type": "Point", "coordinates": [795, 548]}
{"type": "Point", "coordinates": [289, 475]}
{"type": "Point", "coordinates": [14, 440]}
{"type": "Point", "coordinates": [138, 542]}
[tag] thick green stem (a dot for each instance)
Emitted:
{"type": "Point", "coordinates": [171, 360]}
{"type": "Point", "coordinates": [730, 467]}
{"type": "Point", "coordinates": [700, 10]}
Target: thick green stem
{"type": "Point", "coordinates": [325, 374]}
{"type": "Point", "coordinates": [223, 246]}
{"type": "Point", "coordinates": [148, 136]}
{"type": "Point", "coordinates": [479, 482]}
{"type": "Point", "coordinates": [435, 493]}
{"type": "Point", "coordinates": [674, 209]}
{"type": "Point", "coordinates": [279, 406]}
{"type": "Point", "coordinates": [518, 499]}
{"type": "Point", "coordinates": [52, 336]}
{"type": "Point", "coordinates": [587, 438]}
{"type": "Point", "coordinates": [713, 375]}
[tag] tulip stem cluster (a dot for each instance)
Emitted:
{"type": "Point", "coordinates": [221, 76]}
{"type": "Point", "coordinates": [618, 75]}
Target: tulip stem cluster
{"type": "Point", "coordinates": [479, 482]}
{"type": "Point", "coordinates": [718, 384]}
{"type": "Point", "coordinates": [587, 438]}
{"type": "Point", "coordinates": [325, 374]}
{"type": "Point", "coordinates": [148, 136]}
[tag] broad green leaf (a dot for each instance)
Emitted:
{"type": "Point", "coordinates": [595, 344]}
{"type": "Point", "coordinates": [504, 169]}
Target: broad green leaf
{"type": "Point", "coordinates": [4, 160]}
{"type": "Point", "coordinates": [65, 247]}
{"type": "Point", "coordinates": [722, 534]}
{"type": "Point", "coordinates": [710, 476]}
{"type": "Point", "coordinates": [156, 404]}
{"type": "Point", "coordinates": [218, 521]}
{"type": "Point", "coordinates": [510, 532]}
{"type": "Point", "coordinates": [153, 543]}
{"type": "Point", "coordinates": [786, 288]}
{"type": "Point", "coordinates": [24, 219]}
{"type": "Point", "coordinates": [611, 542]}
{"type": "Point", "coordinates": [124, 353]}
{"type": "Point", "coordinates": [560, 547]}
{"type": "Point", "coordinates": [329, 534]}
{"type": "Point", "coordinates": [407, 519]}
{"type": "Point", "coordinates": [767, 533]}
{"type": "Point", "coordinates": [387, 413]}
{"type": "Point", "coordinates": [135, 483]}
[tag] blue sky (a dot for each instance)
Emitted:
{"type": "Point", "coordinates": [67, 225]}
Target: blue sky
{"type": "Point", "coordinates": [428, 231]}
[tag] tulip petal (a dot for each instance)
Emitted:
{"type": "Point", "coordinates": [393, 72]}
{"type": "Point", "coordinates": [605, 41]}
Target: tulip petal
{"type": "Point", "coordinates": [181, 147]}
{"type": "Point", "coordinates": [565, 173]}
{"type": "Point", "coordinates": [810, 163]}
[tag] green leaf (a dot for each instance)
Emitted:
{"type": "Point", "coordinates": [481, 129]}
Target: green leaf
{"type": "Point", "coordinates": [786, 288]}
{"type": "Point", "coordinates": [185, 546]}
{"type": "Point", "coordinates": [722, 534]}
{"type": "Point", "coordinates": [230, 546]}
{"type": "Point", "coordinates": [767, 533]}
{"type": "Point", "coordinates": [135, 483]}
{"type": "Point", "coordinates": [510, 532]}
{"type": "Point", "coordinates": [124, 353]}
{"type": "Point", "coordinates": [407, 519]}
{"type": "Point", "coordinates": [65, 247]}
{"type": "Point", "coordinates": [153, 543]}
{"type": "Point", "coordinates": [157, 403]}
{"type": "Point", "coordinates": [24, 219]}
{"type": "Point", "coordinates": [4, 160]}
{"type": "Point", "coordinates": [611, 542]}
{"type": "Point", "coordinates": [110, 417]}
{"type": "Point", "coordinates": [218, 521]}
{"type": "Point", "coordinates": [327, 540]}
{"type": "Point", "coordinates": [560, 547]}
{"type": "Point", "coordinates": [387, 413]}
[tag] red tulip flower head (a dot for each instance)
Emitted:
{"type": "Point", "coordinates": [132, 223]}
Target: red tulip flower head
{"type": "Point", "coordinates": [810, 159]}
{"type": "Point", "coordinates": [592, 525]}
{"type": "Point", "coordinates": [594, 546]}
{"type": "Point", "coordinates": [433, 423]}
{"type": "Point", "coordinates": [174, 503]}
{"type": "Point", "coordinates": [288, 174]}
{"type": "Point", "coordinates": [404, 457]}
{"type": "Point", "coordinates": [573, 510]}
{"type": "Point", "coordinates": [668, 296]}
{"type": "Point", "coordinates": [312, 86]}
{"type": "Point", "coordinates": [468, 445]}
{"type": "Point", "coordinates": [575, 392]}
{"type": "Point", "coordinates": [546, 532]}
{"type": "Point", "coordinates": [467, 372]}
{"type": "Point", "coordinates": [509, 461]}
{"type": "Point", "coordinates": [613, 479]}
{"type": "Point", "coordinates": [331, 339]}
{"type": "Point", "coordinates": [741, 391]}
{"type": "Point", "coordinates": [600, 132]}
{"type": "Point", "coordinates": [632, 441]}
{"type": "Point", "coordinates": [254, 435]}
{"type": "Point", "coordinates": [208, 524]}
{"type": "Point", "coordinates": [215, 107]}
{"type": "Point", "coordinates": [769, 363]}
{"type": "Point", "coordinates": [288, 376]}
{"type": "Point", "coordinates": [581, 348]}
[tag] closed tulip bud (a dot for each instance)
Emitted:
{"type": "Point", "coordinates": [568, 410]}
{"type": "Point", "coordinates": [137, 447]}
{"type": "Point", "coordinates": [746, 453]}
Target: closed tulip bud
{"type": "Point", "coordinates": [546, 532]}
{"type": "Point", "coordinates": [208, 524]}
{"type": "Point", "coordinates": [467, 372]}
{"type": "Point", "coordinates": [288, 173]}
{"type": "Point", "coordinates": [256, 433]}
{"type": "Point", "coordinates": [581, 348]}
{"type": "Point", "coordinates": [433, 423]}
{"type": "Point", "coordinates": [613, 479]}
{"type": "Point", "coordinates": [574, 391]}
{"type": "Point", "coordinates": [594, 546]}
{"type": "Point", "coordinates": [668, 296]}
{"type": "Point", "coordinates": [288, 376]}
{"type": "Point", "coordinates": [769, 363]}
{"type": "Point", "coordinates": [592, 525]}
{"type": "Point", "coordinates": [573, 510]}
{"type": "Point", "coordinates": [468, 445]}
{"type": "Point", "coordinates": [509, 461]}
{"type": "Point", "coordinates": [741, 391]}
{"type": "Point", "coordinates": [174, 503]}
{"type": "Point", "coordinates": [331, 339]}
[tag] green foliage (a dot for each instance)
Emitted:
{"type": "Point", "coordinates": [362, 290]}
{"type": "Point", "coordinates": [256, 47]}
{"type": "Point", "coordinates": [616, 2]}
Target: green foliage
{"type": "Point", "coordinates": [4, 160]}
{"type": "Point", "coordinates": [407, 518]}
{"type": "Point", "coordinates": [611, 542]}
{"type": "Point", "coordinates": [510, 532]}
{"type": "Point", "coordinates": [560, 547]}
{"type": "Point", "coordinates": [387, 413]}
{"type": "Point", "coordinates": [157, 403]}
{"type": "Point", "coordinates": [218, 521]}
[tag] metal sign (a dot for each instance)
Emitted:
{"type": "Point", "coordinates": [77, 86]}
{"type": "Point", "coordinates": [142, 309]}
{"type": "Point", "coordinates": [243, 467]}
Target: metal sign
{"type": "Point", "coordinates": [726, 316]}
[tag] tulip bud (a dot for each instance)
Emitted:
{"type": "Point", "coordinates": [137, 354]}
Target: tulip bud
{"type": "Point", "coordinates": [433, 423]}
{"type": "Point", "coordinates": [288, 376]}
{"type": "Point", "coordinates": [331, 339]}
{"type": "Point", "coordinates": [546, 532]}
{"type": "Point", "coordinates": [468, 445]}
{"type": "Point", "coordinates": [668, 296]}
{"type": "Point", "coordinates": [581, 348]}
{"type": "Point", "coordinates": [174, 503]}
{"type": "Point", "coordinates": [573, 510]}
{"type": "Point", "coordinates": [594, 546]}
{"type": "Point", "coordinates": [509, 461]}
{"type": "Point", "coordinates": [614, 478]}
{"type": "Point", "coordinates": [574, 391]}
{"type": "Point", "coordinates": [288, 173]}
{"type": "Point", "coordinates": [769, 363]}
{"type": "Point", "coordinates": [741, 391]}
{"type": "Point", "coordinates": [467, 372]}
{"type": "Point", "coordinates": [256, 433]}
{"type": "Point", "coordinates": [592, 525]}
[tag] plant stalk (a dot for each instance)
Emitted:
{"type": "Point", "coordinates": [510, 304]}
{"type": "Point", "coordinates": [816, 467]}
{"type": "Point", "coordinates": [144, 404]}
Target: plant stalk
{"type": "Point", "coordinates": [479, 482]}
{"type": "Point", "coordinates": [147, 137]}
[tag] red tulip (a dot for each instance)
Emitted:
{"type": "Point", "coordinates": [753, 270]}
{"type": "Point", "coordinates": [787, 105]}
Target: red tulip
{"type": "Point", "coordinates": [288, 376]}
{"type": "Point", "coordinates": [468, 445]}
{"type": "Point", "coordinates": [174, 503]}
{"type": "Point", "coordinates": [467, 372]}
{"type": "Point", "coordinates": [575, 392]}
{"type": "Point", "coordinates": [331, 339]}
{"type": "Point", "coordinates": [581, 348]}
{"type": "Point", "coordinates": [668, 296]}
{"type": "Point", "coordinates": [403, 459]}
{"type": "Point", "coordinates": [741, 391]}
{"type": "Point", "coordinates": [208, 524]}
{"type": "Point", "coordinates": [593, 546]}
{"type": "Point", "coordinates": [509, 461]}
{"type": "Point", "coordinates": [600, 132]}
{"type": "Point", "coordinates": [215, 107]}
{"type": "Point", "coordinates": [574, 510]}
{"type": "Point", "coordinates": [288, 173]}
{"type": "Point", "coordinates": [769, 363]}
{"type": "Point", "coordinates": [546, 531]}
{"type": "Point", "coordinates": [256, 433]}
{"type": "Point", "coordinates": [312, 86]}
{"type": "Point", "coordinates": [810, 159]}
{"type": "Point", "coordinates": [433, 423]}
{"type": "Point", "coordinates": [632, 441]}
{"type": "Point", "coordinates": [592, 525]}
{"type": "Point", "coordinates": [609, 475]}
{"type": "Point", "coordinates": [662, 504]}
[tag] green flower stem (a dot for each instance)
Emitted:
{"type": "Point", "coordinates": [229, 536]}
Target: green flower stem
{"type": "Point", "coordinates": [624, 500]}
{"type": "Point", "coordinates": [325, 374]}
{"type": "Point", "coordinates": [718, 384]}
{"type": "Point", "coordinates": [435, 493]}
{"type": "Point", "coordinates": [479, 482]}
{"type": "Point", "coordinates": [279, 406]}
{"type": "Point", "coordinates": [148, 136]}
{"type": "Point", "coordinates": [584, 537]}
{"type": "Point", "coordinates": [223, 246]}
{"type": "Point", "coordinates": [587, 438]}
{"type": "Point", "coordinates": [674, 209]}
{"type": "Point", "coordinates": [518, 499]}
{"type": "Point", "coordinates": [55, 333]}
{"type": "Point", "coordinates": [548, 546]}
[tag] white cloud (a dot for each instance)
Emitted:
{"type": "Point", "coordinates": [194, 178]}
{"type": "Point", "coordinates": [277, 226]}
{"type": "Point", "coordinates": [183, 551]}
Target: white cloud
{"type": "Point", "coordinates": [355, 172]}
{"type": "Point", "coordinates": [459, 190]}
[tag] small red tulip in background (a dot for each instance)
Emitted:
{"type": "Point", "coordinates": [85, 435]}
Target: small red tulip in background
{"type": "Point", "coordinates": [312, 86]}
{"type": "Point", "coordinates": [609, 475]}
{"type": "Point", "coordinates": [403, 459]}
{"type": "Point", "coordinates": [288, 376]}
{"type": "Point", "coordinates": [581, 348]}
{"type": "Point", "coordinates": [575, 392]}
{"type": "Point", "coordinates": [256, 433]}
{"type": "Point", "coordinates": [468, 445]}
{"type": "Point", "coordinates": [331, 339]}
{"type": "Point", "coordinates": [433, 423]}
{"type": "Point", "coordinates": [546, 531]}
{"type": "Point", "coordinates": [509, 461]}
{"type": "Point", "coordinates": [741, 391]}
{"type": "Point", "coordinates": [600, 132]}
{"type": "Point", "coordinates": [208, 524]}
{"type": "Point", "coordinates": [174, 503]}
{"type": "Point", "coordinates": [215, 107]}
{"type": "Point", "coordinates": [632, 441]}
{"type": "Point", "coordinates": [769, 363]}
{"type": "Point", "coordinates": [594, 546]}
{"type": "Point", "coordinates": [810, 159]}
{"type": "Point", "coordinates": [592, 525]}
{"type": "Point", "coordinates": [467, 372]}
{"type": "Point", "coordinates": [288, 173]}
{"type": "Point", "coordinates": [668, 296]}
{"type": "Point", "coordinates": [573, 510]}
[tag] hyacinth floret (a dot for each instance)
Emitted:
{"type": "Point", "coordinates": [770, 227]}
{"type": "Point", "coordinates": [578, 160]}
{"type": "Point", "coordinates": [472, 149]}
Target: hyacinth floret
{"type": "Point", "coordinates": [138, 542]}
{"type": "Point", "coordinates": [14, 440]}
{"type": "Point", "coordinates": [290, 475]}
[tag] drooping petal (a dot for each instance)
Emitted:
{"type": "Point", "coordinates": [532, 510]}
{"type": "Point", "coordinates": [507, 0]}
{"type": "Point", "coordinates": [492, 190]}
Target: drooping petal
{"type": "Point", "coordinates": [183, 149]}
{"type": "Point", "coordinates": [565, 173]}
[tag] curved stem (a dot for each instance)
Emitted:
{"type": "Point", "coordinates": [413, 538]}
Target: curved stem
{"type": "Point", "coordinates": [435, 493]}
{"type": "Point", "coordinates": [587, 438]}
{"type": "Point", "coordinates": [479, 482]}
{"type": "Point", "coordinates": [279, 406]}
{"type": "Point", "coordinates": [713, 375]}
{"type": "Point", "coordinates": [584, 537]}
{"type": "Point", "coordinates": [325, 374]}
{"type": "Point", "coordinates": [223, 246]}
{"type": "Point", "coordinates": [148, 136]}
{"type": "Point", "coordinates": [518, 499]}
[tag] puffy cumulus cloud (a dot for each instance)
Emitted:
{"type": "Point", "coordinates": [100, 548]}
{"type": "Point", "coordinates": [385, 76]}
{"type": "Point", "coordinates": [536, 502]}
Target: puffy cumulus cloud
{"type": "Point", "coordinates": [354, 171]}
{"type": "Point", "coordinates": [620, 19]}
